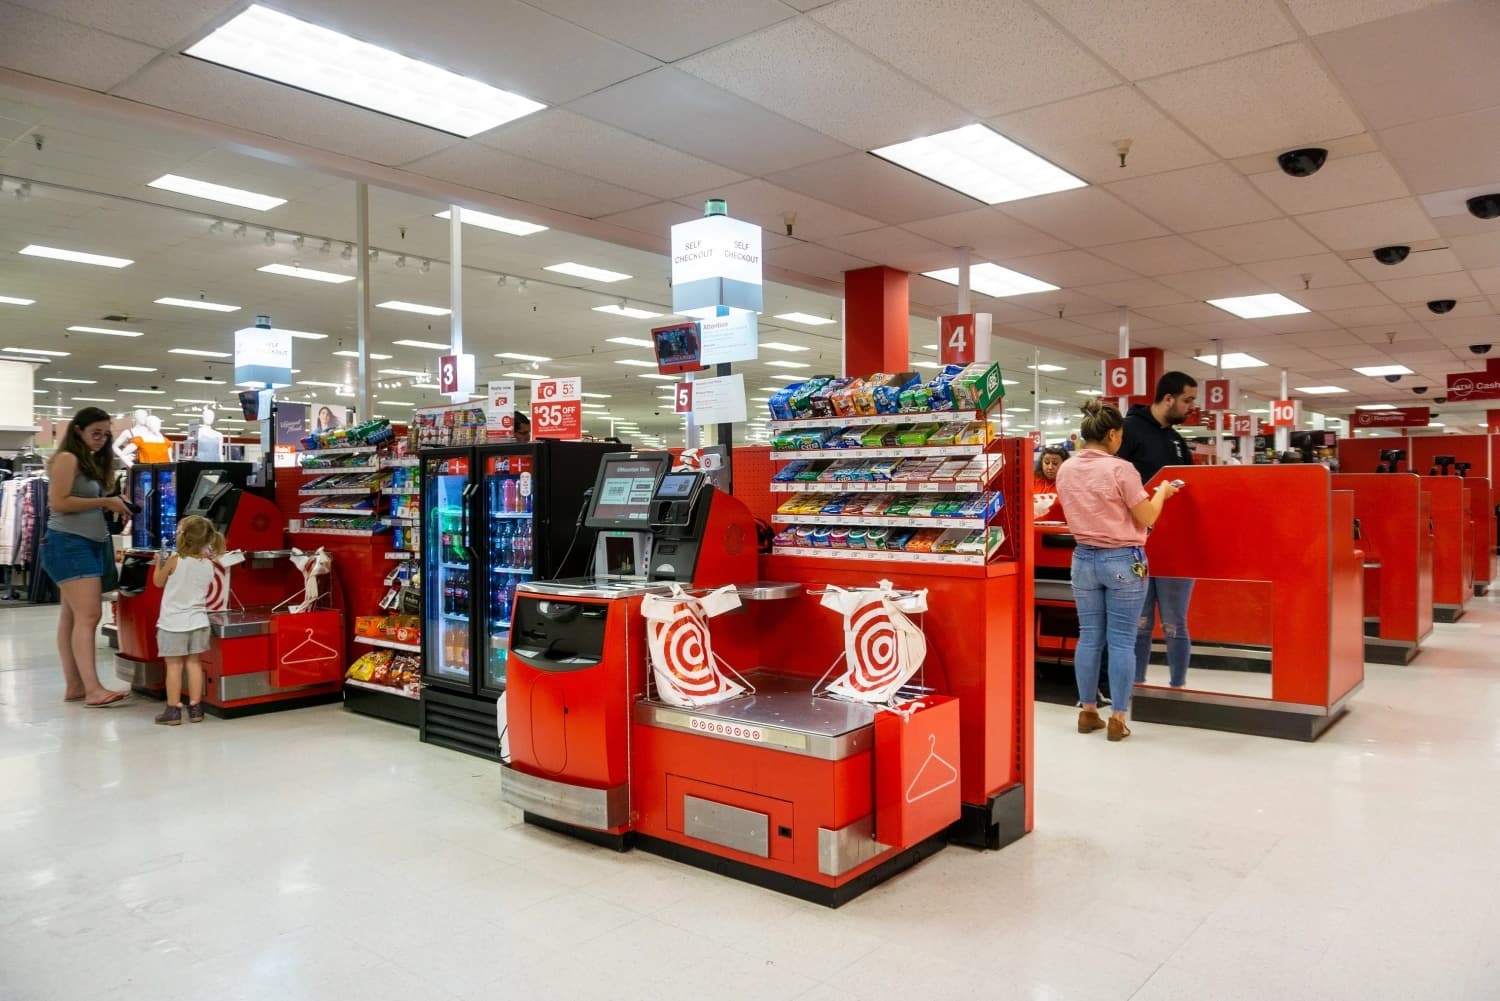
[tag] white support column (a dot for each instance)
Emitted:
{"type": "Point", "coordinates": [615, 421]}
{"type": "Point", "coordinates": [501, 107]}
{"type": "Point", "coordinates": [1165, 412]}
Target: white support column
{"type": "Point", "coordinates": [1123, 402]}
{"type": "Point", "coordinates": [1036, 391]}
{"type": "Point", "coordinates": [963, 279]}
{"type": "Point", "coordinates": [364, 398]}
{"type": "Point", "coordinates": [456, 277]}
{"type": "Point", "coordinates": [1283, 435]}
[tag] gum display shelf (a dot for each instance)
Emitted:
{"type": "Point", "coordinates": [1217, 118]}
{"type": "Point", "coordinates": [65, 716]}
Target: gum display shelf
{"type": "Point", "coordinates": [876, 521]}
{"type": "Point", "coordinates": [367, 467]}
{"type": "Point", "coordinates": [348, 450]}
{"type": "Point", "coordinates": [898, 452]}
{"type": "Point", "coordinates": [400, 462]}
{"type": "Point", "coordinates": [334, 491]}
{"type": "Point", "coordinates": [925, 417]}
{"type": "Point", "coordinates": [352, 533]}
{"type": "Point", "coordinates": [889, 555]}
{"type": "Point", "coordinates": [336, 511]}
{"type": "Point", "coordinates": [880, 487]}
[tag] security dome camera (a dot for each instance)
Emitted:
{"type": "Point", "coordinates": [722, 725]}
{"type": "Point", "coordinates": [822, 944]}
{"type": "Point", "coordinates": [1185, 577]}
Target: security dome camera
{"type": "Point", "coordinates": [1392, 255]}
{"type": "Point", "coordinates": [1303, 162]}
{"type": "Point", "coordinates": [1419, 390]}
{"type": "Point", "coordinates": [1440, 399]}
{"type": "Point", "coordinates": [1441, 306]}
{"type": "Point", "coordinates": [1485, 206]}
{"type": "Point", "coordinates": [1479, 349]}
{"type": "Point", "coordinates": [1393, 378]}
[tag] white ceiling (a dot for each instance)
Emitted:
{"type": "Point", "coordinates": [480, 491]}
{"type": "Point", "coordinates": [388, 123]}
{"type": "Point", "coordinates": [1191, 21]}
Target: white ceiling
{"type": "Point", "coordinates": [657, 104]}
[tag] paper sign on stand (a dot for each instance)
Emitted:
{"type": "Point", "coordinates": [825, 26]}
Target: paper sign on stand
{"type": "Point", "coordinates": [500, 410]}
{"type": "Point", "coordinates": [557, 408]}
{"type": "Point", "coordinates": [729, 338]}
{"type": "Point", "coordinates": [712, 401]}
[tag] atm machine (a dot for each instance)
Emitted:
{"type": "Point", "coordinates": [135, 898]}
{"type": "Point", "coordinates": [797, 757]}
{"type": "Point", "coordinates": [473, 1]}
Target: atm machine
{"type": "Point", "coordinates": [578, 647]}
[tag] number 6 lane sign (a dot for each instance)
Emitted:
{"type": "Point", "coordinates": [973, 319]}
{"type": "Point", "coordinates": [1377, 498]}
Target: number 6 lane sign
{"type": "Point", "coordinates": [1125, 377]}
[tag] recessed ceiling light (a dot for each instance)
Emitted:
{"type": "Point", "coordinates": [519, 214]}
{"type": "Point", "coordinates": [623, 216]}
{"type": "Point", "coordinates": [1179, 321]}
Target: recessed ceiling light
{"type": "Point", "coordinates": [395, 403]}
{"type": "Point", "coordinates": [292, 271]}
{"type": "Point", "coordinates": [782, 346]}
{"type": "Point", "coordinates": [594, 406]}
{"type": "Point", "coordinates": [216, 192]}
{"type": "Point", "coordinates": [982, 164]}
{"type": "Point", "coordinates": [39, 351]}
{"type": "Point", "coordinates": [1259, 411]}
{"type": "Point", "coordinates": [806, 318]}
{"type": "Point", "coordinates": [1257, 307]}
{"type": "Point", "coordinates": [636, 362]}
{"type": "Point", "coordinates": [1376, 406]}
{"type": "Point", "coordinates": [276, 46]}
{"type": "Point", "coordinates": [205, 382]}
{"type": "Point", "coordinates": [212, 307]}
{"type": "Point", "coordinates": [80, 382]}
{"type": "Point", "coordinates": [305, 335]}
{"type": "Point", "coordinates": [1051, 403]}
{"type": "Point", "coordinates": [487, 220]}
{"type": "Point", "coordinates": [517, 356]}
{"type": "Point", "coordinates": [320, 385]}
{"type": "Point", "coordinates": [355, 354]}
{"type": "Point", "coordinates": [413, 307]}
{"type": "Point", "coordinates": [403, 371]}
{"type": "Point", "coordinates": [1379, 370]}
{"type": "Point", "coordinates": [148, 392]}
{"type": "Point", "coordinates": [597, 396]}
{"type": "Point", "coordinates": [77, 257]}
{"type": "Point", "coordinates": [107, 331]}
{"type": "Point", "coordinates": [1321, 390]}
{"type": "Point", "coordinates": [929, 347]}
{"type": "Point", "coordinates": [635, 342]}
{"type": "Point", "coordinates": [93, 399]}
{"type": "Point", "coordinates": [653, 375]}
{"type": "Point", "coordinates": [206, 403]}
{"type": "Point", "coordinates": [628, 311]}
{"type": "Point", "coordinates": [778, 363]}
{"type": "Point", "coordinates": [994, 281]}
{"type": "Point", "coordinates": [584, 271]}
{"type": "Point", "coordinates": [128, 368]}
{"type": "Point", "coordinates": [529, 376]}
{"type": "Point", "coordinates": [1234, 359]}
{"type": "Point", "coordinates": [197, 352]}
{"type": "Point", "coordinates": [1088, 392]}
{"type": "Point", "coordinates": [11, 300]}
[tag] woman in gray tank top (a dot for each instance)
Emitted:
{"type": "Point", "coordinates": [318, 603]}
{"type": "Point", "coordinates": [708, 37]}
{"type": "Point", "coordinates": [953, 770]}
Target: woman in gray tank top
{"type": "Point", "coordinates": [76, 545]}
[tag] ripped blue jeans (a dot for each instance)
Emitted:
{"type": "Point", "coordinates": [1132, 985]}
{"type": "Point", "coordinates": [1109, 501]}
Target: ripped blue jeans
{"type": "Point", "coordinates": [1171, 595]}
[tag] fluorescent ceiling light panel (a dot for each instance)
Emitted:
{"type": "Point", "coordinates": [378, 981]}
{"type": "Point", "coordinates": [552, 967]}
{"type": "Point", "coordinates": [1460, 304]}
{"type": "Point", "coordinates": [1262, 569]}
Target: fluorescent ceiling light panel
{"type": "Point", "coordinates": [499, 223]}
{"type": "Point", "coordinates": [403, 371]}
{"type": "Point", "coordinates": [517, 356]}
{"type": "Point", "coordinates": [413, 307]}
{"type": "Point", "coordinates": [199, 353]}
{"type": "Point", "coordinates": [39, 351]}
{"type": "Point", "coordinates": [788, 364]}
{"type": "Point", "coordinates": [11, 300]}
{"type": "Point", "coordinates": [292, 271]}
{"type": "Point", "coordinates": [994, 281]}
{"type": "Point", "coordinates": [355, 354]}
{"type": "Point", "coordinates": [787, 376]}
{"type": "Point", "coordinates": [1379, 370]}
{"type": "Point", "coordinates": [305, 335]}
{"type": "Point", "coordinates": [1321, 390]}
{"type": "Point", "coordinates": [80, 382]}
{"type": "Point", "coordinates": [925, 364]}
{"type": "Point", "coordinates": [107, 331]}
{"type": "Point", "coordinates": [148, 392]}
{"type": "Point", "coordinates": [1376, 406]}
{"type": "Point", "coordinates": [584, 271]}
{"type": "Point", "coordinates": [653, 375]}
{"type": "Point", "coordinates": [276, 46]}
{"type": "Point", "coordinates": [74, 256]}
{"type": "Point", "coordinates": [627, 311]}
{"type": "Point", "coordinates": [216, 192]}
{"type": "Point", "coordinates": [320, 385]}
{"type": "Point", "coordinates": [1258, 307]}
{"type": "Point", "coordinates": [781, 346]}
{"type": "Point", "coordinates": [204, 382]}
{"type": "Point", "coordinates": [806, 318]}
{"type": "Point", "coordinates": [636, 362]}
{"type": "Point", "coordinates": [1051, 403]}
{"type": "Point", "coordinates": [594, 406]}
{"type": "Point", "coordinates": [982, 164]}
{"type": "Point", "coordinates": [528, 376]}
{"type": "Point", "coordinates": [212, 307]}
{"type": "Point", "coordinates": [128, 368]}
{"type": "Point", "coordinates": [206, 403]}
{"type": "Point", "coordinates": [1234, 359]}
{"type": "Point", "coordinates": [634, 342]}
{"type": "Point", "coordinates": [430, 345]}
{"type": "Point", "coordinates": [597, 396]}
{"type": "Point", "coordinates": [93, 399]}
{"type": "Point", "coordinates": [395, 403]}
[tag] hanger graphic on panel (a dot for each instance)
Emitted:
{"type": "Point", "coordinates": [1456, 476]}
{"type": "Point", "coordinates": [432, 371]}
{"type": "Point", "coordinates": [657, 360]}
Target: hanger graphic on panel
{"type": "Point", "coordinates": [309, 651]}
{"type": "Point", "coordinates": [935, 774]}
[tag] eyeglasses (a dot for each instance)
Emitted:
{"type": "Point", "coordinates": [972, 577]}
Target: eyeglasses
{"type": "Point", "coordinates": [97, 435]}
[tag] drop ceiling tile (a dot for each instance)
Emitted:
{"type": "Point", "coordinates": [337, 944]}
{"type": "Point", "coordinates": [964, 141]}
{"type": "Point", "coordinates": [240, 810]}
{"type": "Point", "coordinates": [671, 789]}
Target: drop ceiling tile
{"type": "Point", "coordinates": [1320, 340]}
{"type": "Point", "coordinates": [1329, 300]}
{"type": "Point", "coordinates": [1069, 134]}
{"type": "Point", "coordinates": [1145, 38]}
{"type": "Point", "coordinates": [1440, 154]}
{"type": "Point", "coordinates": [1281, 98]}
{"type": "Point", "coordinates": [1437, 261]}
{"type": "Point", "coordinates": [1341, 351]}
{"type": "Point", "coordinates": [1343, 181]}
{"type": "Point", "coordinates": [673, 29]}
{"type": "Point", "coordinates": [1366, 316]}
{"type": "Point", "coordinates": [1134, 294]}
{"type": "Point", "coordinates": [683, 112]}
{"type": "Point", "coordinates": [1405, 68]}
{"type": "Point", "coordinates": [241, 101]}
{"type": "Point", "coordinates": [809, 74]}
{"type": "Point", "coordinates": [1110, 322]}
{"type": "Point", "coordinates": [656, 219]}
{"type": "Point", "coordinates": [55, 49]}
{"type": "Point", "coordinates": [1057, 330]}
{"type": "Point", "coordinates": [1207, 197]}
{"type": "Point", "coordinates": [1069, 268]}
{"type": "Point", "coordinates": [765, 204]}
{"type": "Point", "coordinates": [867, 184]}
{"type": "Point", "coordinates": [1260, 241]}
{"type": "Point", "coordinates": [1184, 313]}
{"type": "Point", "coordinates": [895, 248]}
{"type": "Point", "coordinates": [515, 177]}
{"type": "Point", "coordinates": [1042, 64]}
{"type": "Point", "coordinates": [810, 259]}
{"type": "Point", "coordinates": [1467, 315]}
{"type": "Point", "coordinates": [1480, 250]}
{"type": "Point", "coordinates": [1488, 280]}
{"type": "Point", "coordinates": [159, 23]}
{"type": "Point", "coordinates": [1362, 227]}
{"type": "Point", "coordinates": [1161, 255]}
{"type": "Point", "coordinates": [1287, 275]}
{"type": "Point", "coordinates": [1086, 217]}
{"type": "Point", "coordinates": [992, 234]}
{"type": "Point", "coordinates": [1455, 285]}
{"type": "Point", "coordinates": [1319, 16]}
{"type": "Point", "coordinates": [1072, 305]}
{"type": "Point", "coordinates": [1215, 283]}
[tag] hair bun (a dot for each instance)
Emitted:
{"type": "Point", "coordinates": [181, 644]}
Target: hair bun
{"type": "Point", "coordinates": [1092, 407]}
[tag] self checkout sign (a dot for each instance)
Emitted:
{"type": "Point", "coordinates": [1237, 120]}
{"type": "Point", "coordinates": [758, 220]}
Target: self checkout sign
{"type": "Point", "coordinates": [1125, 377]}
{"type": "Point", "coordinates": [557, 408]}
{"type": "Point", "coordinates": [1284, 413]}
{"type": "Point", "coordinates": [964, 338]}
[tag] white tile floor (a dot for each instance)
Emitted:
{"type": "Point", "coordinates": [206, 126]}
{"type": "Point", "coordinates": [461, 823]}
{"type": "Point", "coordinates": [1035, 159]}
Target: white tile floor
{"type": "Point", "coordinates": [319, 855]}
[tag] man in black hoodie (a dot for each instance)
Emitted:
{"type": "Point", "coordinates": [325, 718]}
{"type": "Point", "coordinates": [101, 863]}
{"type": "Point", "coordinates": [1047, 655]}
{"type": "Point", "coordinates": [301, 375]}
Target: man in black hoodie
{"type": "Point", "coordinates": [1151, 442]}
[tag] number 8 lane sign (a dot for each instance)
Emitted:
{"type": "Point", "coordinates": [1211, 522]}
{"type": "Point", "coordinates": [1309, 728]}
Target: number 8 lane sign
{"type": "Point", "coordinates": [557, 408]}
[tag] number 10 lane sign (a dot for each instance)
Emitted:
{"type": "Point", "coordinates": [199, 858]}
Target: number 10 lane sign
{"type": "Point", "coordinates": [557, 408]}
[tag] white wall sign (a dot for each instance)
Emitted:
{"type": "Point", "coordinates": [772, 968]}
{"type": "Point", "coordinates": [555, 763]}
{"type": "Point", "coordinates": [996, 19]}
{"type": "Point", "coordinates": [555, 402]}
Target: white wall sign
{"type": "Point", "coordinates": [729, 338]}
{"type": "Point", "coordinates": [716, 261]}
{"type": "Point", "coordinates": [262, 357]}
{"type": "Point", "coordinates": [719, 401]}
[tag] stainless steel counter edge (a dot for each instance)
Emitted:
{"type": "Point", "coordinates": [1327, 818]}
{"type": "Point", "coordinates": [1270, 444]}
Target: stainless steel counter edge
{"type": "Point", "coordinates": [704, 723]}
{"type": "Point", "coordinates": [564, 589]}
{"type": "Point", "coordinates": [849, 847]}
{"type": "Point", "coordinates": [581, 806]}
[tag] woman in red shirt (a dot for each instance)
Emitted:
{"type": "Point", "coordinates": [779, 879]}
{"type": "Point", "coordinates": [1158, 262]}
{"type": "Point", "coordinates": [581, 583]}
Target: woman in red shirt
{"type": "Point", "coordinates": [1109, 512]}
{"type": "Point", "coordinates": [1044, 482]}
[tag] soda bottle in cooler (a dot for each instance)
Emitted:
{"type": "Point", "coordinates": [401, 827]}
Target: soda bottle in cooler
{"type": "Point", "coordinates": [509, 499]}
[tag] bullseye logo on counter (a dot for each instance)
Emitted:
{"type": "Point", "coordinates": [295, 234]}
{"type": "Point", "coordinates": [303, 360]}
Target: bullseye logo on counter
{"type": "Point", "coordinates": [723, 728]}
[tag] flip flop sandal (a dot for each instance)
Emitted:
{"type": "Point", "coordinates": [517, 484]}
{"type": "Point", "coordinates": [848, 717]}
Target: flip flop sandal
{"type": "Point", "coordinates": [74, 698]}
{"type": "Point", "coordinates": [118, 698]}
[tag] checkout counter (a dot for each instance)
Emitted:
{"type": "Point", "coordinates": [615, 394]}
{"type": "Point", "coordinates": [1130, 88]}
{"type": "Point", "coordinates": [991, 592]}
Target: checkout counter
{"type": "Point", "coordinates": [262, 657]}
{"type": "Point", "coordinates": [1394, 516]}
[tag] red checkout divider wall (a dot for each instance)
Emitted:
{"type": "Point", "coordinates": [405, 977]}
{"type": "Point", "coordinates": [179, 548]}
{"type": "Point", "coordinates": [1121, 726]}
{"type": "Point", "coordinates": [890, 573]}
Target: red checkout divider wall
{"type": "Point", "coordinates": [1394, 516]}
{"type": "Point", "coordinates": [1452, 550]}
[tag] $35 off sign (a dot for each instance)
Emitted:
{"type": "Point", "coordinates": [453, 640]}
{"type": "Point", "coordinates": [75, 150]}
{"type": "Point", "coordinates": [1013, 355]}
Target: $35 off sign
{"type": "Point", "coordinates": [557, 408]}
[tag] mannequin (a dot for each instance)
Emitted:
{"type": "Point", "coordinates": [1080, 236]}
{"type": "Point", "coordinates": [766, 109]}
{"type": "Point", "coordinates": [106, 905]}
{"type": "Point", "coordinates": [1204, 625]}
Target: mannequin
{"type": "Point", "coordinates": [124, 445]}
{"type": "Point", "coordinates": [210, 441]}
{"type": "Point", "coordinates": [150, 444]}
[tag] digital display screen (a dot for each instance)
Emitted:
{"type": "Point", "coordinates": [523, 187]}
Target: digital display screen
{"type": "Point", "coordinates": [623, 490]}
{"type": "Point", "coordinates": [678, 348]}
{"type": "Point", "coordinates": [677, 485]}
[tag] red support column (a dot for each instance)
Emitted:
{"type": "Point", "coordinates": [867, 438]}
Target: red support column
{"type": "Point", "coordinates": [876, 305]}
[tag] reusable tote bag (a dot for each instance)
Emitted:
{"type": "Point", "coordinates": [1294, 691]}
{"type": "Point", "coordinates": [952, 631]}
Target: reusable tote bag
{"type": "Point", "coordinates": [683, 663]}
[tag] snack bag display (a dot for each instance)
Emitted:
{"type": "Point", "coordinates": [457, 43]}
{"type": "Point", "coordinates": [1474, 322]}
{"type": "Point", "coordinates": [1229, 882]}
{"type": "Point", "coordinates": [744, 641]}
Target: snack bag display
{"type": "Point", "coordinates": [365, 667]}
{"type": "Point", "coordinates": [683, 663]}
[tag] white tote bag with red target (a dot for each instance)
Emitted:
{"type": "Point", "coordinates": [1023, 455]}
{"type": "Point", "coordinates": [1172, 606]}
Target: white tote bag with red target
{"type": "Point", "coordinates": [687, 671]}
{"type": "Point", "coordinates": [883, 648]}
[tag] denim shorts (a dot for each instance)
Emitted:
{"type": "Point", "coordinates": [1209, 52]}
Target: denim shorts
{"type": "Point", "coordinates": [67, 557]}
{"type": "Point", "coordinates": [176, 644]}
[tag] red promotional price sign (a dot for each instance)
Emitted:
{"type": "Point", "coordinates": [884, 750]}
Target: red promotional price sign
{"type": "Point", "coordinates": [1218, 394]}
{"type": "Point", "coordinates": [448, 374]}
{"type": "Point", "coordinates": [1284, 413]}
{"type": "Point", "coordinates": [1244, 425]}
{"type": "Point", "coordinates": [557, 408]}
{"type": "Point", "coordinates": [1125, 377]}
{"type": "Point", "coordinates": [956, 339]}
{"type": "Point", "coordinates": [682, 399]}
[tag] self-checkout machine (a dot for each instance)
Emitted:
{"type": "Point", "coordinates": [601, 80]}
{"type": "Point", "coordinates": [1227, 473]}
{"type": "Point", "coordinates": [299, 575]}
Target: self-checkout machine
{"type": "Point", "coordinates": [578, 646]}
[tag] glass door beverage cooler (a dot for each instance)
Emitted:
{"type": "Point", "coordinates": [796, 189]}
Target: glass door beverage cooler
{"type": "Point", "coordinates": [447, 579]}
{"type": "Point", "coordinates": [144, 528]}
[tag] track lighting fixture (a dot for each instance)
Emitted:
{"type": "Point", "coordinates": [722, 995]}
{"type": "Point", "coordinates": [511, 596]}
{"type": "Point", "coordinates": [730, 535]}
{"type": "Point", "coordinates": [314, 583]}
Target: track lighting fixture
{"type": "Point", "coordinates": [374, 256]}
{"type": "Point", "coordinates": [327, 248]}
{"type": "Point", "coordinates": [270, 238]}
{"type": "Point", "coordinates": [500, 282]}
{"type": "Point", "coordinates": [23, 190]}
{"type": "Point", "coordinates": [348, 251]}
{"type": "Point", "coordinates": [521, 287]}
{"type": "Point", "coordinates": [401, 261]}
{"type": "Point", "coordinates": [241, 230]}
{"type": "Point", "coordinates": [298, 242]}
{"type": "Point", "coordinates": [426, 266]}
{"type": "Point", "coordinates": [217, 227]}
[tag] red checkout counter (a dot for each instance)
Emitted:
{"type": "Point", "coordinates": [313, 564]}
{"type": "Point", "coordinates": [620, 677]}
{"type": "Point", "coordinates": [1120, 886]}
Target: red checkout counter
{"type": "Point", "coordinates": [1453, 545]}
{"type": "Point", "coordinates": [778, 786]}
{"type": "Point", "coordinates": [261, 657]}
{"type": "Point", "coordinates": [1394, 516]}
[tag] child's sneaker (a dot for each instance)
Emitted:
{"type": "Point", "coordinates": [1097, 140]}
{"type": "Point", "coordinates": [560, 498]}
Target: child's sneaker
{"type": "Point", "coordinates": [170, 716]}
{"type": "Point", "coordinates": [195, 712]}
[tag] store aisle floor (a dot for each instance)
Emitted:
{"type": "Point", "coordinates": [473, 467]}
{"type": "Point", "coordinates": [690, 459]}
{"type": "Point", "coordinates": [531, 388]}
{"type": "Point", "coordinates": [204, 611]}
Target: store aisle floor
{"type": "Point", "coordinates": [319, 855]}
